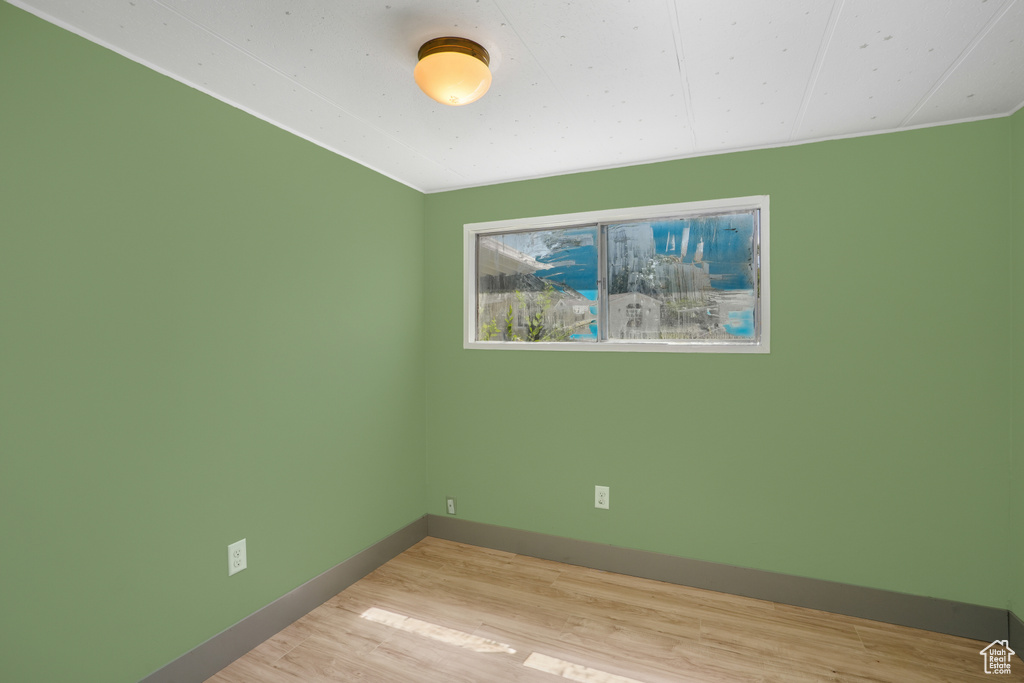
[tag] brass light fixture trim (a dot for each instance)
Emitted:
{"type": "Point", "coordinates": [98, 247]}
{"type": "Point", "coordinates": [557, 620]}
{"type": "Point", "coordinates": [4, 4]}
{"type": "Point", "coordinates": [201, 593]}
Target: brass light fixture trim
{"type": "Point", "coordinates": [452, 44]}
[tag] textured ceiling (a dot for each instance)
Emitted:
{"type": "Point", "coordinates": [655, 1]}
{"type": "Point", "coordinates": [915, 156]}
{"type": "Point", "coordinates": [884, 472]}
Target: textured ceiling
{"type": "Point", "coordinates": [578, 85]}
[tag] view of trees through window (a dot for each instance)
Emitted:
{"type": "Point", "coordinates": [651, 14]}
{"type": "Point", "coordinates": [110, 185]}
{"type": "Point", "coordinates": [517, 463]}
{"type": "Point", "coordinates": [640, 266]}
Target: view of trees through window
{"type": "Point", "coordinates": [687, 278]}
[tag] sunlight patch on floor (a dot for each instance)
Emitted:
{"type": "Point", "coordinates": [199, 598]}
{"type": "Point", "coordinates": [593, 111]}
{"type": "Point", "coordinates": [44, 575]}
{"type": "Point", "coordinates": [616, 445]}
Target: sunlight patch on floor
{"type": "Point", "coordinates": [435, 632]}
{"type": "Point", "coordinates": [450, 636]}
{"type": "Point", "coordinates": [573, 672]}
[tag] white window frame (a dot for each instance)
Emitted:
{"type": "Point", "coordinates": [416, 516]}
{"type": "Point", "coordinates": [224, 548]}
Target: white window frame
{"type": "Point", "coordinates": [758, 202]}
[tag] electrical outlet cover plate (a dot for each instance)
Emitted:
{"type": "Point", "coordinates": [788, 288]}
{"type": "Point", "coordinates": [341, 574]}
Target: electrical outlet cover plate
{"type": "Point", "coordinates": [450, 503]}
{"type": "Point", "coordinates": [236, 557]}
{"type": "Point", "coordinates": [601, 494]}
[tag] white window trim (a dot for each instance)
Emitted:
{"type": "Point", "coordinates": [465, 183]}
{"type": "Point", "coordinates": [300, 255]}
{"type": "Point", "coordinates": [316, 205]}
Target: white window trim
{"type": "Point", "coordinates": [472, 230]}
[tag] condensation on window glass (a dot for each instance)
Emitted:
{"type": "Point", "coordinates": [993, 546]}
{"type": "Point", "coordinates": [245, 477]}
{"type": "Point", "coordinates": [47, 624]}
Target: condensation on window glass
{"type": "Point", "coordinates": [683, 278]}
{"type": "Point", "coordinates": [538, 286]}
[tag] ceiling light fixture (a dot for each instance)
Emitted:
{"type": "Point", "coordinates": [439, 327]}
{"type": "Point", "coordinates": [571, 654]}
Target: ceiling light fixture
{"type": "Point", "coordinates": [453, 71]}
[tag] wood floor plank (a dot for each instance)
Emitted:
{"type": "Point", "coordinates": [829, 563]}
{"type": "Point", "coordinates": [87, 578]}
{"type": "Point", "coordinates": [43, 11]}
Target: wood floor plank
{"type": "Point", "coordinates": [441, 598]}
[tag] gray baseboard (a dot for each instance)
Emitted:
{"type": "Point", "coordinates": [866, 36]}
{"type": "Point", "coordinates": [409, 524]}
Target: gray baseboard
{"type": "Point", "coordinates": [1016, 628]}
{"type": "Point", "coordinates": [216, 653]}
{"type": "Point", "coordinates": [932, 614]}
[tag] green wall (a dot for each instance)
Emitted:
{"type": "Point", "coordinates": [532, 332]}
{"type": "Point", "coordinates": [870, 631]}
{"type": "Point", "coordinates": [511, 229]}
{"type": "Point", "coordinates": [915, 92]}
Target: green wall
{"type": "Point", "coordinates": [181, 291]}
{"type": "Point", "coordinates": [192, 353]}
{"type": "Point", "coordinates": [1017, 486]}
{"type": "Point", "coordinates": [866, 448]}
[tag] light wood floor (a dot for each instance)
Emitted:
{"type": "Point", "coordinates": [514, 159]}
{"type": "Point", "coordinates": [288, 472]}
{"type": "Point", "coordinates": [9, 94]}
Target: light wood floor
{"type": "Point", "coordinates": [425, 616]}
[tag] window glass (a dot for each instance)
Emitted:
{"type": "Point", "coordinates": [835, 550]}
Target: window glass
{"type": "Point", "coordinates": [683, 278]}
{"type": "Point", "coordinates": [538, 285]}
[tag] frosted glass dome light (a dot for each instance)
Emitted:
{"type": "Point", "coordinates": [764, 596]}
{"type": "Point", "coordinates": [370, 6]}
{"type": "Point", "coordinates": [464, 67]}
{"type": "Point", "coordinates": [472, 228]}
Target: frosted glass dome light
{"type": "Point", "coordinates": [453, 71]}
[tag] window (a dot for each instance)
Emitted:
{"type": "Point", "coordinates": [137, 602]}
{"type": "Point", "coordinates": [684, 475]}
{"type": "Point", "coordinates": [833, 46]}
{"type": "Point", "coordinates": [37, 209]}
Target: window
{"type": "Point", "coordinates": [676, 277]}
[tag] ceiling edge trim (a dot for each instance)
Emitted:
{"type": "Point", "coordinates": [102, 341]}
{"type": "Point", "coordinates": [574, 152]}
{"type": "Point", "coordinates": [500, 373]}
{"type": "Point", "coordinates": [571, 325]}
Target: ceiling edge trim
{"type": "Point", "coordinates": [60, 23]}
{"type": "Point", "coordinates": [732, 150]}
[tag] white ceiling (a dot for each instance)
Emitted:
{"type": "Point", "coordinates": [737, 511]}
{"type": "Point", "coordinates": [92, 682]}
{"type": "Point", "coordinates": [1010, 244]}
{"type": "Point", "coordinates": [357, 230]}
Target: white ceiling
{"type": "Point", "coordinates": [578, 84]}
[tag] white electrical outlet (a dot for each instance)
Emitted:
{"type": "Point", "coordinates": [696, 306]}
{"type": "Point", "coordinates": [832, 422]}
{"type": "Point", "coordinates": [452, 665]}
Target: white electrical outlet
{"type": "Point", "coordinates": [601, 497]}
{"type": "Point", "coordinates": [236, 557]}
{"type": "Point", "coordinates": [450, 501]}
